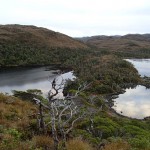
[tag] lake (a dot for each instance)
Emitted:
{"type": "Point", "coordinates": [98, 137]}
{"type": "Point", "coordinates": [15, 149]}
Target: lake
{"type": "Point", "coordinates": [30, 78]}
{"type": "Point", "coordinates": [142, 65]}
{"type": "Point", "coordinates": [135, 103]}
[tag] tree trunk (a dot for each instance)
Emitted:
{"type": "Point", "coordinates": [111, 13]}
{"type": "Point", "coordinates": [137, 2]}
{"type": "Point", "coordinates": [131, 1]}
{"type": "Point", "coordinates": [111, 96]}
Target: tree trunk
{"type": "Point", "coordinates": [56, 144]}
{"type": "Point", "coordinates": [54, 131]}
{"type": "Point", "coordinates": [42, 124]}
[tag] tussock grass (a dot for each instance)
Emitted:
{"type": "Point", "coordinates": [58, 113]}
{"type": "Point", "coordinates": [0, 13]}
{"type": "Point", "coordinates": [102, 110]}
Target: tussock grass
{"type": "Point", "coordinates": [43, 141]}
{"type": "Point", "coordinates": [78, 144]}
{"type": "Point", "coordinates": [14, 112]}
{"type": "Point", "coordinates": [118, 145]}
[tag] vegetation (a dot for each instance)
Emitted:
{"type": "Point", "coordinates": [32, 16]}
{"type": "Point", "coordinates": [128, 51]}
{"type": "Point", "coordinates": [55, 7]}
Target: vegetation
{"type": "Point", "coordinates": [131, 45]}
{"type": "Point", "coordinates": [18, 130]}
{"type": "Point", "coordinates": [105, 73]}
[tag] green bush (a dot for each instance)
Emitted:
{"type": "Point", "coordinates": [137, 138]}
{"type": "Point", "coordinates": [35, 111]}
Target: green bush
{"type": "Point", "coordinates": [140, 143]}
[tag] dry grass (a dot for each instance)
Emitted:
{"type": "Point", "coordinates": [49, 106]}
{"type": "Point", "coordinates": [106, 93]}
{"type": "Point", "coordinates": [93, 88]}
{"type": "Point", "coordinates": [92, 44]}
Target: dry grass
{"type": "Point", "coordinates": [43, 141]}
{"type": "Point", "coordinates": [78, 144]}
{"type": "Point", "coordinates": [15, 113]}
{"type": "Point", "coordinates": [24, 146]}
{"type": "Point", "coordinates": [118, 145]}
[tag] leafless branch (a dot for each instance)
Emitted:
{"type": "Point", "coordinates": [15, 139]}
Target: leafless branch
{"type": "Point", "coordinates": [63, 113]}
{"type": "Point", "coordinates": [72, 124]}
{"type": "Point", "coordinates": [40, 103]}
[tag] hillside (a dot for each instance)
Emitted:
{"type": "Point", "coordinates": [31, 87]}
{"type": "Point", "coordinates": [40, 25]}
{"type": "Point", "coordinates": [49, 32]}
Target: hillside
{"type": "Point", "coordinates": [23, 45]}
{"type": "Point", "coordinates": [100, 75]}
{"type": "Point", "coordinates": [40, 36]}
{"type": "Point", "coordinates": [127, 45]}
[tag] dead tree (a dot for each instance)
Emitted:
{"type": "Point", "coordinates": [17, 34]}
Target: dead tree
{"type": "Point", "coordinates": [63, 113]}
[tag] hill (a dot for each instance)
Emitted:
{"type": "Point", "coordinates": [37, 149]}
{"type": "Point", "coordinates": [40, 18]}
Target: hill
{"type": "Point", "coordinates": [20, 43]}
{"type": "Point", "coordinates": [126, 45]}
{"type": "Point", "coordinates": [103, 73]}
{"type": "Point", "coordinates": [38, 35]}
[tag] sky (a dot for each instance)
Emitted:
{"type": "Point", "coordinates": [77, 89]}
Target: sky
{"type": "Point", "coordinates": [78, 18]}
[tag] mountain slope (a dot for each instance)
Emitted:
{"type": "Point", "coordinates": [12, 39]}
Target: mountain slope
{"type": "Point", "coordinates": [41, 36]}
{"type": "Point", "coordinates": [30, 45]}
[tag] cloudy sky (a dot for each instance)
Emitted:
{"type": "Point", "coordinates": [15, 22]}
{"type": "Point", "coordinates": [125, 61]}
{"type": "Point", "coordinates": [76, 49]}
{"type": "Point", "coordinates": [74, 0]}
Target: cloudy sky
{"type": "Point", "coordinates": [78, 18]}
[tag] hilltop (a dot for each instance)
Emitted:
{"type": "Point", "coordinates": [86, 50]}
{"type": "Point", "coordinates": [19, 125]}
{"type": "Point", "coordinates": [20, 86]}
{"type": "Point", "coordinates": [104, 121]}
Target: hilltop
{"type": "Point", "coordinates": [37, 35]}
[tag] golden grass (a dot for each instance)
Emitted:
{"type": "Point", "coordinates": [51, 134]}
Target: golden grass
{"type": "Point", "coordinates": [78, 144]}
{"type": "Point", "coordinates": [15, 112]}
{"type": "Point", "coordinates": [118, 145]}
{"type": "Point", "coordinates": [24, 146]}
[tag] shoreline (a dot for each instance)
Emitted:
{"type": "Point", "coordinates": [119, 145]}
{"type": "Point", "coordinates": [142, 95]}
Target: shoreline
{"type": "Point", "coordinates": [109, 98]}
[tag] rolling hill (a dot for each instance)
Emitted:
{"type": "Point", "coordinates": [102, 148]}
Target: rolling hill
{"type": "Point", "coordinates": [31, 45]}
{"type": "Point", "coordinates": [37, 35]}
{"type": "Point", "coordinates": [117, 43]}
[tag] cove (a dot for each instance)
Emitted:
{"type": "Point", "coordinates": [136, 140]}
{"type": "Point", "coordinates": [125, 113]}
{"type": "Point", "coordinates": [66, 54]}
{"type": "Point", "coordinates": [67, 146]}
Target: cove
{"type": "Point", "coordinates": [135, 103]}
{"type": "Point", "coordinates": [23, 79]}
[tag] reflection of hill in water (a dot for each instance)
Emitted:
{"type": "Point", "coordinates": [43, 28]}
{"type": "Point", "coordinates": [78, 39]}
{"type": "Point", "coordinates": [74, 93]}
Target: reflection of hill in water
{"type": "Point", "coordinates": [24, 76]}
{"type": "Point", "coordinates": [135, 102]}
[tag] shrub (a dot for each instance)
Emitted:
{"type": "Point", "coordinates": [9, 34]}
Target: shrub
{"type": "Point", "coordinates": [140, 143]}
{"type": "Point", "coordinates": [13, 132]}
{"type": "Point", "coordinates": [10, 139]}
{"type": "Point", "coordinates": [134, 130]}
{"type": "Point", "coordinates": [8, 142]}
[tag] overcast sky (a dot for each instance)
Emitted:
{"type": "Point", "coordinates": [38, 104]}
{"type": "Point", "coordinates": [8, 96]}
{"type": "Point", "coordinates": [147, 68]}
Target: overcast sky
{"type": "Point", "coordinates": [78, 18]}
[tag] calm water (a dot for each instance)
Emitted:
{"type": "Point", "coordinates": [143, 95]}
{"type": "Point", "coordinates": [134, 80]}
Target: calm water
{"type": "Point", "coordinates": [135, 103]}
{"type": "Point", "coordinates": [30, 78]}
{"type": "Point", "coordinates": [142, 65]}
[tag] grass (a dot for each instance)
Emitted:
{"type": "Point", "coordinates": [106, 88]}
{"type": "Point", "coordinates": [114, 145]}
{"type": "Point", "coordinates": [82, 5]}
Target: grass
{"type": "Point", "coordinates": [43, 141]}
{"type": "Point", "coordinates": [14, 112]}
{"type": "Point", "coordinates": [78, 144]}
{"type": "Point", "coordinates": [118, 145]}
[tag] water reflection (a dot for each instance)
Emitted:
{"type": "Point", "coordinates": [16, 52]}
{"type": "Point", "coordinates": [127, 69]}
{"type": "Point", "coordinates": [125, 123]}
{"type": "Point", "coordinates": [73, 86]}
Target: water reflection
{"type": "Point", "coordinates": [29, 78]}
{"type": "Point", "coordinates": [135, 102]}
{"type": "Point", "coordinates": [142, 65]}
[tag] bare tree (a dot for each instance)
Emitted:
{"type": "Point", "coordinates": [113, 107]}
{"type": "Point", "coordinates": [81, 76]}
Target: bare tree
{"type": "Point", "coordinates": [63, 113]}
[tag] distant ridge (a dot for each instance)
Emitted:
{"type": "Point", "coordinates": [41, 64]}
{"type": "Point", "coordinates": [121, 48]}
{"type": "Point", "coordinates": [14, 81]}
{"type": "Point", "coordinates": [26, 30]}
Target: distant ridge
{"type": "Point", "coordinates": [118, 43]}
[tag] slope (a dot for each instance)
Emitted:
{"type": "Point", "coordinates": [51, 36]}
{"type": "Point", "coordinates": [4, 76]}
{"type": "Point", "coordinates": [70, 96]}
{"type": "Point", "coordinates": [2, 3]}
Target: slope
{"type": "Point", "coordinates": [23, 45]}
